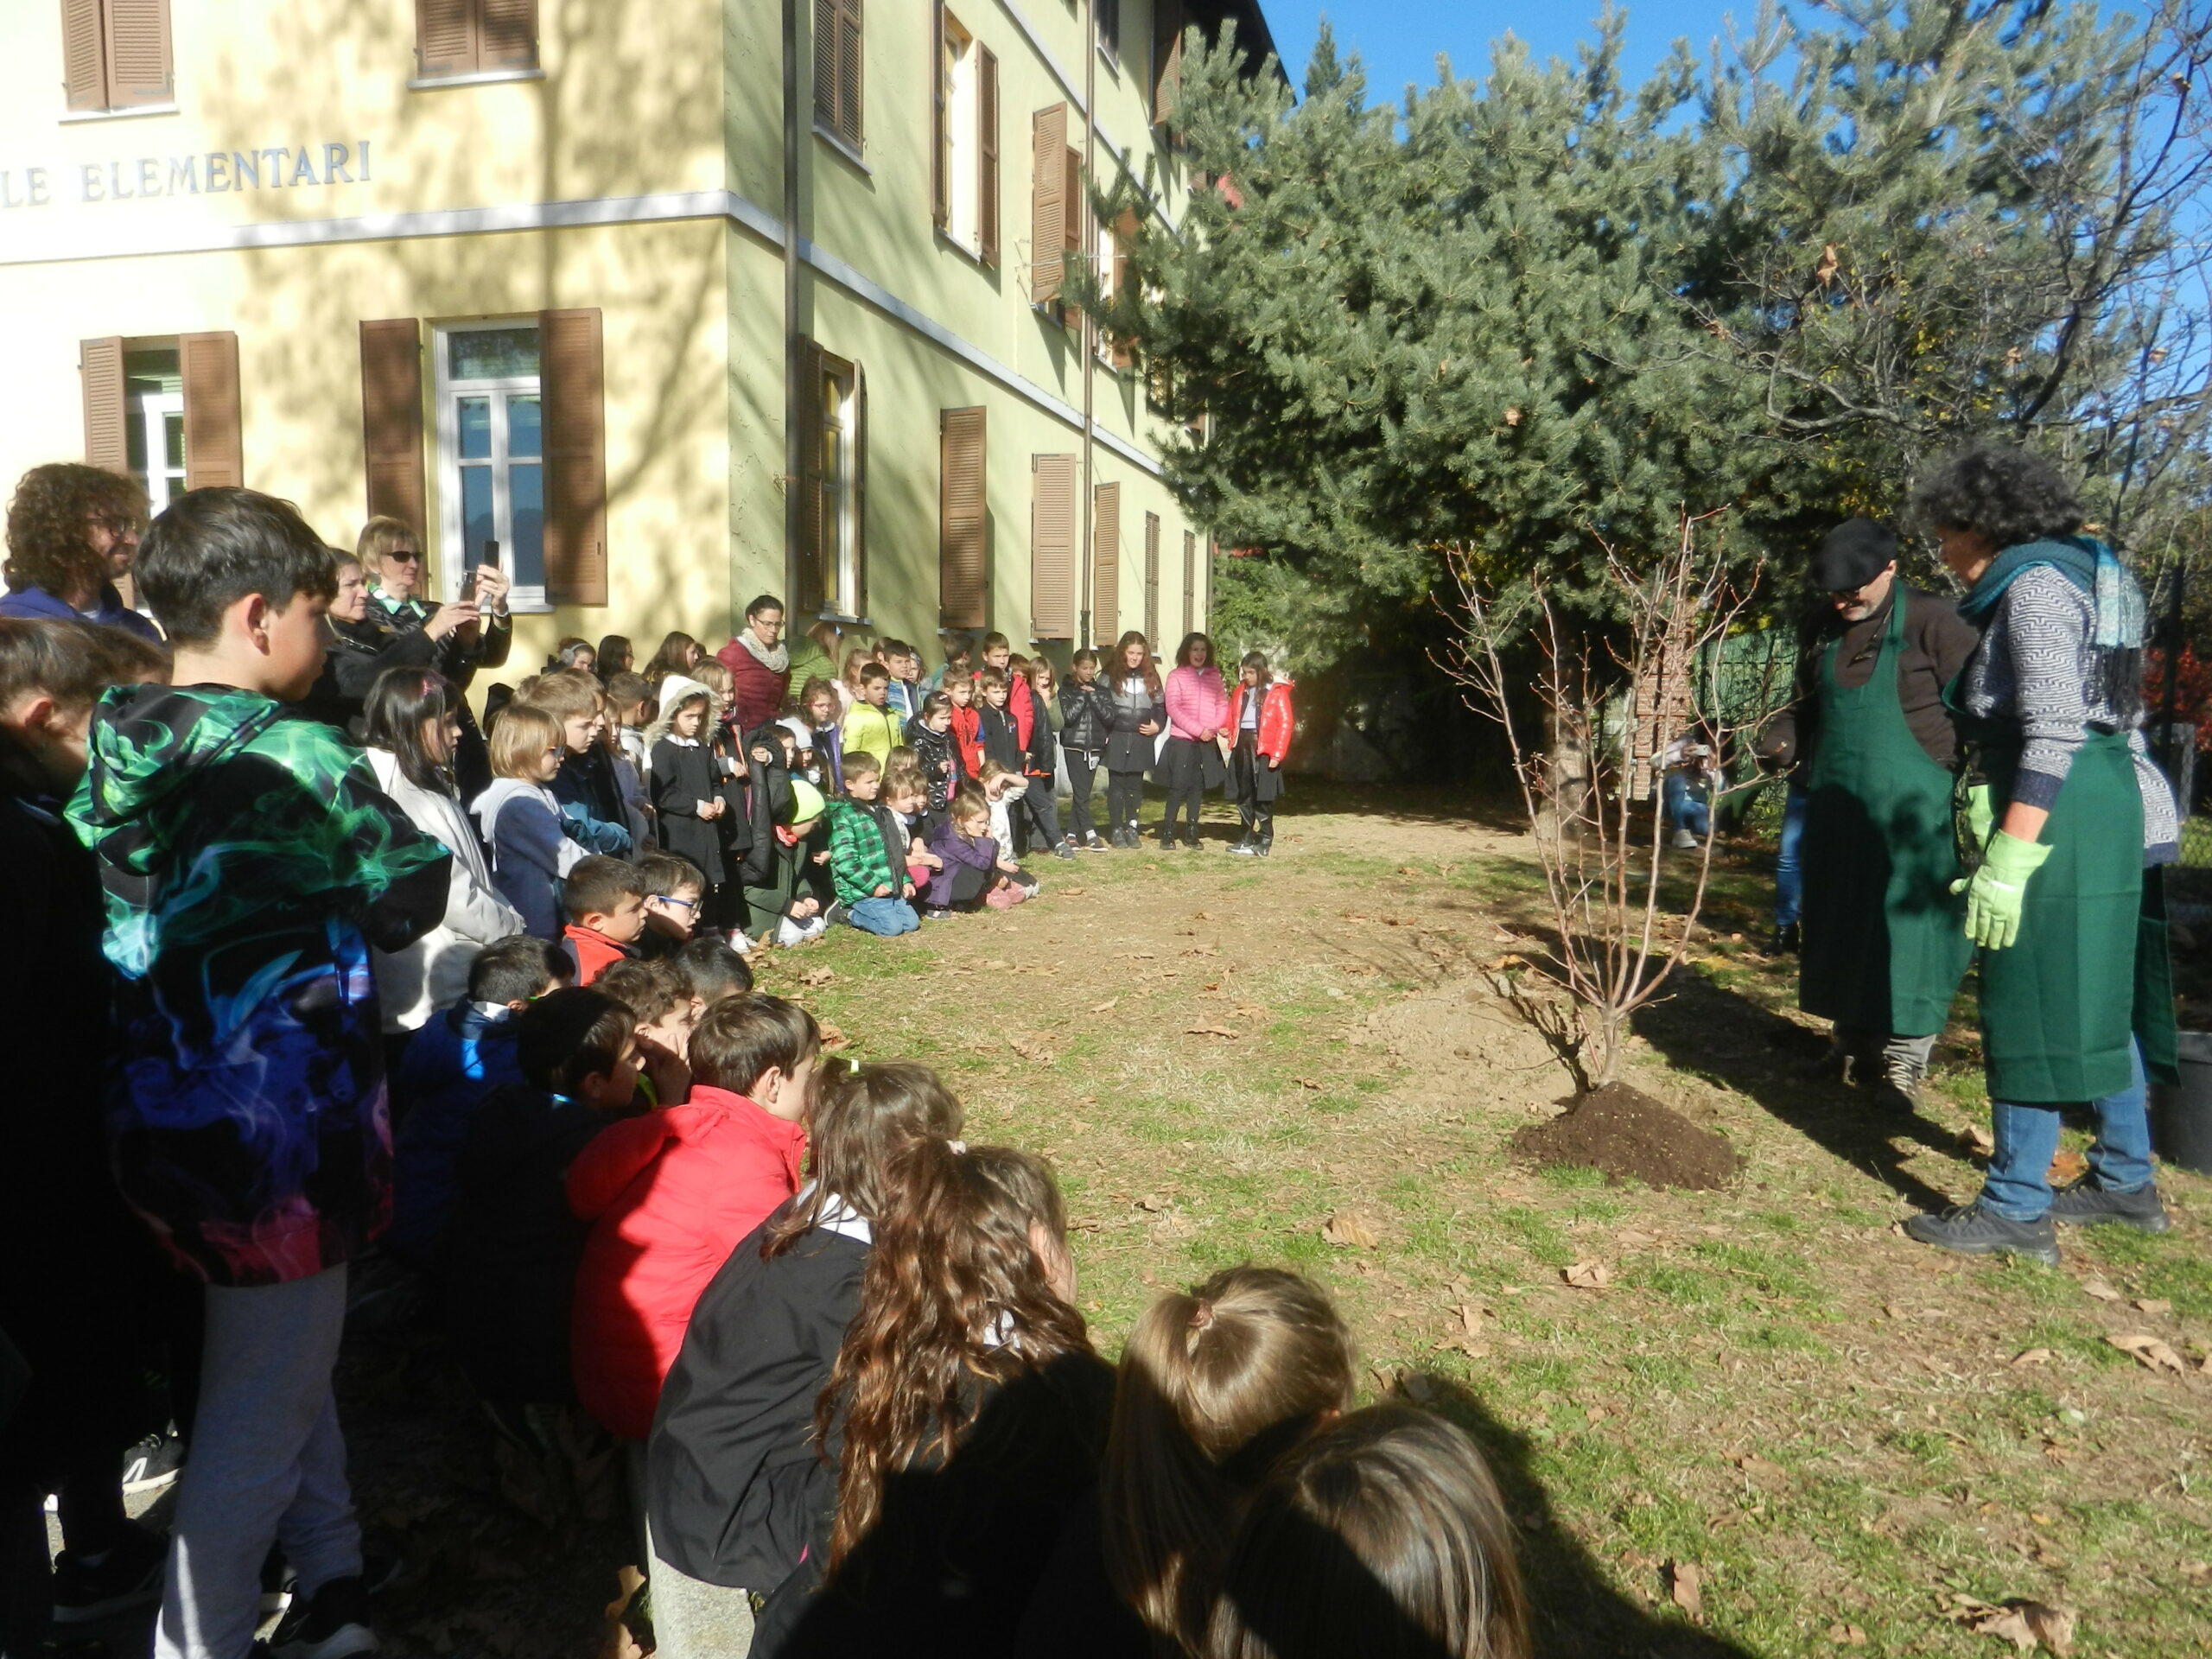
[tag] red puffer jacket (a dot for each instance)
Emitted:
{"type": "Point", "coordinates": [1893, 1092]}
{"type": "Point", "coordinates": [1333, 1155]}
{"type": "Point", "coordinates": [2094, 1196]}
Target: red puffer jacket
{"type": "Point", "coordinates": [756, 690]}
{"type": "Point", "coordinates": [1276, 722]}
{"type": "Point", "coordinates": [669, 1195]}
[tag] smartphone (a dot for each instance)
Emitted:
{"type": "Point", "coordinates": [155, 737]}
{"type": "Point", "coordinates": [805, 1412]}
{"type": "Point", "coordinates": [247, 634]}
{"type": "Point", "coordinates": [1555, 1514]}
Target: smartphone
{"type": "Point", "coordinates": [468, 582]}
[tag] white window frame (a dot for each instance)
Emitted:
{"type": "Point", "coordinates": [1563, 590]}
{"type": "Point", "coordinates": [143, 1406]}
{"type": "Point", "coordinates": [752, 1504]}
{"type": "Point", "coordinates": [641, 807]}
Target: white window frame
{"type": "Point", "coordinates": [963, 225]}
{"type": "Point", "coordinates": [520, 598]}
{"type": "Point", "coordinates": [844, 602]}
{"type": "Point", "coordinates": [151, 410]}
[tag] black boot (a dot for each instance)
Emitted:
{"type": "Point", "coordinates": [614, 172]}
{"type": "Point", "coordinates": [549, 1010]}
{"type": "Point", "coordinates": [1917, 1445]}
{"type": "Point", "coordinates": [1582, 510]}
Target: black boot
{"type": "Point", "coordinates": [1784, 942]}
{"type": "Point", "coordinates": [1191, 837]}
{"type": "Point", "coordinates": [1245, 844]}
{"type": "Point", "coordinates": [1264, 845]}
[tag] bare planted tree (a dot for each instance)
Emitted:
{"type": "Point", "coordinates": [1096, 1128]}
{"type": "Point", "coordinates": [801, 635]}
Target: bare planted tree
{"type": "Point", "coordinates": [1612, 706]}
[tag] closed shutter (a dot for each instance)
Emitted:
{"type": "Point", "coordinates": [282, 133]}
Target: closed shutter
{"type": "Point", "coordinates": [213, 448]}
{"type": "Point", "coordinates": [825, 63]}
{"type": "Point", "coordinates": [506, 36]}
{"type": "Point", "coordinates": [392, 420]}
{"type": "Point", "coordinates": [858, 598]}
{"type": "Point", "coordinates": [1190, 583]}
{"type": "Point", "coordinates": [84, 54]}
{"type": "Point", "coordinates": [986, 154]}
{"type": "Point", "coordinates": [1075, 216]}
{"type": "Point", "coordinates": [1053, 482]}
{"type": "Point", "coordinates": [444, 38]}
{"type": "Point", "coordinates": [1105, 563]}
{"type": "Point", "coordinates": [837, 67]}
{"type": "Point", "coordinates": [572, 398]}
{"type": "Point", "coordinates": [963, 522]}
{"type": "Point", "coordinates": [138, 54]}
{"type": "Point", "coordinates": [1125, 237]}
{"type": "Point", "coordinates": [812, 565]}
{"type": "Point", "coordinates": [1168, 23]}
{"type": "Point", "coordinates": [100, 363]}
{"type": "Point", "coordinates": [1152, 577]}
{"type": "Point", "coordinates": [940, 169]}
{"type": "Point", "coordinates": [1048, 202]}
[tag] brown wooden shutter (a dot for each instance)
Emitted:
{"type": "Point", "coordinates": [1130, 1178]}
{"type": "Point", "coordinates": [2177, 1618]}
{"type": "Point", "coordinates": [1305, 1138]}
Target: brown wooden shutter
{"type": "Point", "coordinates": [392, 420]}
{"type": "Point", "coordinates": [1075, 217]}
{"type": "Point", "coordinates": [813, 590]}
{"type": "Point", "coordinates": [987, 153]}
{"type": "Point", "coordinates": [213, 448]}
{"type": "Point", "coordinates": [1054, 480]}
{"type": "Point", "coordinates": [507, 35]}
{"type": "Point", "coordinates": [1152, 577]}
{"type": "Point", "coordinates": [1125, 237]}
{"type": "Point", "coordinates": [84, 54]}
{"type": "Point", "coordinates": [1048, 203]}
{"type": "Point", "coordinates": [963, 600]}
{"type": "Point", "coordinates": [825, 63]}
{"type": "Point", "coordinates": [858, 598]}
{"type": "Point", "coordinates": [1106, 563]}
{"type": "Point", "coordinates": [444, 38]}
{"type": "Point", "coordinates": [138, 54]}
{"type": "Point", "coordinates": [940, 174]}
{"type": "Point", "coordinates": [837, 58]}
{"type": "Point", "coordinates": [1167, 23]}
{"type": "Point", "coordinates": [100, 362]}
{"type": "Point", "coordinates": [572, 403]}
{"type": "Point", "coordinates": [1190, 581]}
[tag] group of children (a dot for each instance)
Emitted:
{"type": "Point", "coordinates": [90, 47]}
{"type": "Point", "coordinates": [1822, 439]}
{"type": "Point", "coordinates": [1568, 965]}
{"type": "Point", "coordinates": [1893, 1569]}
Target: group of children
{"type": "Point", "coordinates": [840, 1348]}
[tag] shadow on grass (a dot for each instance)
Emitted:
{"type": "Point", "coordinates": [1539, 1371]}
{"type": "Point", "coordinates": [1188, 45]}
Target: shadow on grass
{"type": "Point", "coordinates": [1700, 1027]}
{"type": "Point", "coordinates": [1576, 1609]}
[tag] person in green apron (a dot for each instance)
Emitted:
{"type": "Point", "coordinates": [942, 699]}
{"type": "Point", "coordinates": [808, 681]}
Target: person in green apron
{"type": "Point", "coordinates": [1882, 950]}
{"type": "Point", "coordinates": [2066, 821]}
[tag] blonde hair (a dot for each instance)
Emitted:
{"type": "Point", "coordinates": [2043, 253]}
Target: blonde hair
{"type": "Point", "coordinates": [715, 675]}
{"type": "Point", "coordinates": [380, 536]}
{"type": "Point", "coordinates": [562, 693]}
{"type": "Point", "coordinates": [520, 737]}
{"type": "Point", "coordinates": [908, 777]}
{"type": "Point", "coordinates": [995, 770]}
{"type": "Point", "coordinates": [1214, 1386]}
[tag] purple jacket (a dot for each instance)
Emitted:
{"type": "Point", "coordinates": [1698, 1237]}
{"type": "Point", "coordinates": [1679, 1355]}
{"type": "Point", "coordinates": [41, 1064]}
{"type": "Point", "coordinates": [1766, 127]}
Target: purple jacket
{"type": "Point", "coordinates": [956, 849]}
{"type": "Point", "coordinates": [36, 602]}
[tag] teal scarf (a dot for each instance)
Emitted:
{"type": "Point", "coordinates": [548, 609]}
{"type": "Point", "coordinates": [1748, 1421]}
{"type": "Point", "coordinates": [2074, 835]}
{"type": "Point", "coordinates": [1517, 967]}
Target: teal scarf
{"type": "Point", "coordinates": [2085, 562]}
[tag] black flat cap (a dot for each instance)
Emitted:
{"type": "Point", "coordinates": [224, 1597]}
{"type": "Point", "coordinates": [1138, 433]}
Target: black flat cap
{"type": "Point", "coordinates": [1853, 554]}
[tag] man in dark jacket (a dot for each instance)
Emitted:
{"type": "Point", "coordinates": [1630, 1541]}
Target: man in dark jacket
{"type": "Point", "coordinates": [1884, 949]}
{"type": "Point", "coordinates": [72, 532]}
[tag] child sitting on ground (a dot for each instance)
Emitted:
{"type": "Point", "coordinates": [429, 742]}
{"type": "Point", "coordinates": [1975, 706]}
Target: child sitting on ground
{"type": "Point", "coordinates": [714, 973]}
{"type": "Point", "coordinates": [905, 793]}
{"type": "Point", "coordinates": [779, 896]}
{"type": "Point", "coordinates": [521, 819]}
{"type": "Point", "coordinates": [670, 1196]}
{"type": "Point", "coordinates": [658, 996]}
{"type": "Point", "coordinates": [867, 857]}
{"type": "Point", "coordinates": [674, 890]}
{"type": "Point", "coordinates": [1001, 788]}
{"type": "Point", "coordinates": [605, 901]}
{"type": "Point", "coordinates": [451, 1064]}
{"type": "Point", "coordinates": [972, 869]}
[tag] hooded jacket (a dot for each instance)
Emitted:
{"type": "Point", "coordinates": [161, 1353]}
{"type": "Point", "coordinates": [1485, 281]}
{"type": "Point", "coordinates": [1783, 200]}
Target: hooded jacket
{"type": "Point", "coordinates": [249, 865]}
{"type": "Point", "coordinates": [1272, 736]}
{"type": "Point", "coordinates": [450, 1066]}
{"type": "Point", "coordinates": [530, 854]}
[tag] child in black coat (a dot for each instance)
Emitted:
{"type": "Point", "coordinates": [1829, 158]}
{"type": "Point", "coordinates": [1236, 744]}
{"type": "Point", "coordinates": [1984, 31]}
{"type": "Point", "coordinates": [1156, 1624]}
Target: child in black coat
{"type": "Point", "coordinates": [687, 799]}
{"type": "Point", "coordinates": [1086, 723]}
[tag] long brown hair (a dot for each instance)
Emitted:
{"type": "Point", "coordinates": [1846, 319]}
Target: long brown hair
{"type": "Point", "coordinates": [1213, 1386]}
{"type": "Point", "coordinates": [1383, 1535]}
{"type": "Point", "coordinates": [1118, 669]}
{"type": "Point", "coordinates": [862, 1119]}
{"type": "Point", "coordinates": [953, 1302]}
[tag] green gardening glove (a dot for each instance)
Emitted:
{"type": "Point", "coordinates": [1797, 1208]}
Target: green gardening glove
{"type": "Point", "coordinates": [1980, 816]}
{"type": "Point", "coordinates": [1996, 891]}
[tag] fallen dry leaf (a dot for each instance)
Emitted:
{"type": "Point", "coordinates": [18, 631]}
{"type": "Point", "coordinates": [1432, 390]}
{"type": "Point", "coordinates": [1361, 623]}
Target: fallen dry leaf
{"type": "Point", "coordinates": [1030, 1048]}
{"type": "Point", "coordinates": [1209, 1030]}
{"type": "Point", "coordinates": [1847, 1636]}
{"type": "Point", "coordinates": [1308, 1083]}
{"type": "Point", "coordinates": [1073, 892]}
{"type": "Point", "coordinates": [833, 1036]}
{"type": "Point", "coordinates": [2067, 1168]}
{"type": "Point", "coordinates": [1134, 956]}
{"type": "Point", "coordinates": [2026, 1624]}
{"type": "Point", "coordinates": [1101, 1008]}
{"type": "Point", "coordinates": [1630, 1239]}
{"type": "Point", "coordinates": [817, 976]}
{"type": "Point", "coordinates": [2149, 1350]}
{"type": "Point", "coordinates": [2100, 1290]}
{"type": "Point", "coordinates": [1976, 1139]}
{"type": "Point", "coordinates": [1686, 1588]}
{"type": "Point", "coordinates": [2034, 1356]}
{"type": "Point", "coordinates": [1349, 1229]}
{"type": "Point", "coordinates": [1762, 1469]}
{"type": "Point", "coordinates": [2153, 1305]}
{"type": "Point", "coordinates": [1588, 1275]}
{"type": "Point", "coordinates": [994, 962]}
{"type": "Point", "coordinates": [1250, 1011]}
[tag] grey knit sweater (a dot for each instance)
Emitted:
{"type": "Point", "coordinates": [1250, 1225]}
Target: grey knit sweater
{"type": "Point", "coordinates": [2037, 665]}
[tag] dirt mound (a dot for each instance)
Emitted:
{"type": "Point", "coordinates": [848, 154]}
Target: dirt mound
{"type": "Point", "coordinates": [1459, 1020]}
{"type": "Point", "coordinates": [1630, 1136]}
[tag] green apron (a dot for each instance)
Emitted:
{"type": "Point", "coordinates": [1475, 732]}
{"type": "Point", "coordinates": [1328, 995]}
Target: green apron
{"type": "Point", "coordinates": [1885, 941]}
{"type": "Point", "coordinates": [2059, 1006]}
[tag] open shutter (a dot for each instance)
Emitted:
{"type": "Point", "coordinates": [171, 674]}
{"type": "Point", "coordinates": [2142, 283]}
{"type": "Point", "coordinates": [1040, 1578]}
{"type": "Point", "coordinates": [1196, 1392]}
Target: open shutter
{"type": "Point", "coordinates": [83, 56]}
{"type": "Point", "coordinates": [1152, 578]}
{"type": "Point", "coordinates": [1190, 581]}
{"type": "Point", "coordinates": [138, 54]}
{"type": "Point", "coordinates": [391, 420]}
{"type": "Point", "coordinates": [101, 363]}
{"type": "Point", "coordinates": [987, 153]}
{"type": "Point", "coordinates": [444, 38]}
{"type": "Point", "coordinates": [813, 590]}
{"type": "Point", "coordinates": [1125, 237]}
{"type": "Point", "coordinates": [1106, 563]}
{"type": "Point", "coordinates": [1054, 480]}
{"type": "Point", "coordinates": [940, 173]}
{"type": "Point", "coordinates": [507, 35]}
{"type": "Point", "coordinates": [213, 448]}
{"type": "Point", "coordinates": [1168, 23]}
{"type": "Point", "coordinates": [845, 57]}
{"type": "Point", "coordinates": [962, 525]}
{"type": "Point", "coordinates": [572, 403]}
{"type": "Point", "coordinates": [1048, 202]}
{"type": "Point", "coordinates": [825, 63]}
{"type": "Point", "coordinates": [1075, 214]}
{"type": "Point", "coordinates": [859, 596]}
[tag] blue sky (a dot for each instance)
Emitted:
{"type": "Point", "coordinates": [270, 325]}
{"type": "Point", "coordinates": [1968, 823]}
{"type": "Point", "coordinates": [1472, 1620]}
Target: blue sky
{"type": "Point", "coordinates": [1398, 40]}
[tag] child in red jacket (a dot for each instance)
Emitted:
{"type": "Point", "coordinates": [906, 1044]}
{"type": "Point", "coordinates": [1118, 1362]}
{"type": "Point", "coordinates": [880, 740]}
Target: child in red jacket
{"type": "Point", "coordinates": [670, 1195]}
{"type": "Point", "coordinates": [606, 902]}
{"type": "Point", "coordinates": [1260, 725]}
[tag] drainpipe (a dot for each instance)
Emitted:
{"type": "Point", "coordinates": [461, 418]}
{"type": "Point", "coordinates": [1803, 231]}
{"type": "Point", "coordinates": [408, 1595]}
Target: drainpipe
{"type": "Point", "coordinates": [794, 365]}
{"type": "Point", "coordinates": [1087, 555]}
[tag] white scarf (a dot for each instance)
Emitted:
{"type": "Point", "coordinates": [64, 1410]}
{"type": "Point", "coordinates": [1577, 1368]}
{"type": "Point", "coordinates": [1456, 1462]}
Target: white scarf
{"type": "Point", "coordinates": [778, 661]}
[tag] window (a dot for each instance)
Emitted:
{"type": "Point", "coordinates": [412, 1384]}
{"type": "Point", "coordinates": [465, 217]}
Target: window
{"type": "Point", "coordinates": [963, 520]}
{"type": "Point", "coordinates": [1058, 203]}
{"type": "Point", "coordinates": [964, 167]}
{"type": "Point", "coordinates": [1109, 13]}
{"type": "Point", "coordinates": [460, 38]}
{"type": "Point", "coordinates": [837, 70]}
{"type": "Point", "coordinates": [153, 432]}
{"type": "Point", "coordinates": [115, 54]}
{"type": "Point", "coordinates": [491, 455]}
{"type": "Point", "coordinates": [1115, 243]}
{"type": "Point", "coordinates": [165, 411]}
{"type": "Point", "coordinates": [832, 573]}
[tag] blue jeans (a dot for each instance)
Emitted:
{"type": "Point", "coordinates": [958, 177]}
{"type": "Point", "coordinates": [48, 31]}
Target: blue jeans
{"type": "Point", "coordinates": [885, 916]}
{"type": "Point", "coordinates": [1685, 804]}
{"type": "Point", "coordinates": [2027, 1139]}
{"type": "Point", "coordinates": [1789, 872]}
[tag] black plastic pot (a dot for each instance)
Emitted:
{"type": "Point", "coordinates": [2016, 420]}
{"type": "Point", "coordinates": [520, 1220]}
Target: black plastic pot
{"type": "Point", "coordinates": [2181, 1116]}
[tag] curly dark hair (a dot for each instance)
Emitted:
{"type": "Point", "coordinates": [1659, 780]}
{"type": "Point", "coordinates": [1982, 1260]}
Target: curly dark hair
{"type": "Point", "coordinates": [2010, 494]}
{"type": "Point", "coordinates": [53, 508]}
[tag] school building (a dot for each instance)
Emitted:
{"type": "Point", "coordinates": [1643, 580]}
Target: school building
{"type": "Point", "coordinates": [674, 301]}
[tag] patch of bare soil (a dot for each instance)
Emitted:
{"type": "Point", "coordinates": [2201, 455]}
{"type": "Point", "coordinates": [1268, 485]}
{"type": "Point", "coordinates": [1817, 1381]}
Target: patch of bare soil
{"type": "Point", "coordinates": [1630, 1136]}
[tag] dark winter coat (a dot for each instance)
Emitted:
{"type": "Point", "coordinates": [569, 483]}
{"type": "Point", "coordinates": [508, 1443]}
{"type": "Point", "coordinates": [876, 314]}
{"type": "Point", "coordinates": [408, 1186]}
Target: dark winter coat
{"type": "Point", "coordinates": [1086, 714]}
{"type": "Point", "coordinates": [451, 1065]}
{"type": "Point", "coordinates": [1003, 738]}
{"type": "Point", "coordinates": [1128, 749]}
{"type": "Point", "coordinates": [683, 776]}
{"type": "Point", "coordinates": [934, 750]}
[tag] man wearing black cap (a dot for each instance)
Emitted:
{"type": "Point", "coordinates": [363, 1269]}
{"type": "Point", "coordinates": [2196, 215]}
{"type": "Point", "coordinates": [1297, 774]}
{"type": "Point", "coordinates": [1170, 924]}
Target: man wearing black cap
{"type": "Point", "coordinates": [1884, 946]}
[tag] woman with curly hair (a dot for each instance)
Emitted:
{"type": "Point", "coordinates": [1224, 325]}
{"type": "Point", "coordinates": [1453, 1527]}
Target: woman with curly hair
{"type": "Point", "coordinates": [966, 1412]}
{"type": "Point", "coordinates": [73, 532]}
{"type": "Point", "coordinates": [2061, 815]}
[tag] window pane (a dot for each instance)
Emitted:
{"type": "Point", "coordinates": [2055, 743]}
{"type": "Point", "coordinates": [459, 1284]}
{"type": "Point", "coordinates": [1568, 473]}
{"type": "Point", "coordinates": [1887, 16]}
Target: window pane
{"type": "Point", "coordinates": [133, 443]}
{"type": "Point", "coordinates": [522, 437]}
{"type": "Point", "coordinates": [491, 354]}
{"type": "Point", "coordinates": [475, 428]}
{"type": "Point", "coordinates": [526, 498]}
{"type": "Point", "coordinates": [173, 438]}
{"type": "Point", "coordinates": [476, 527]}
{"type": "Point", "coordinates": [159, 370]}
